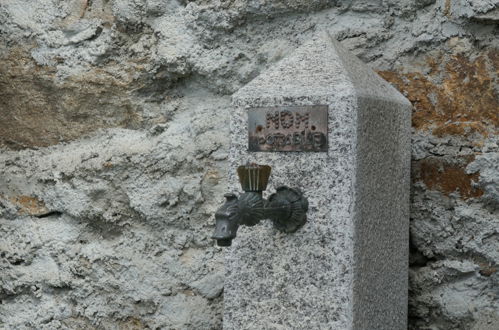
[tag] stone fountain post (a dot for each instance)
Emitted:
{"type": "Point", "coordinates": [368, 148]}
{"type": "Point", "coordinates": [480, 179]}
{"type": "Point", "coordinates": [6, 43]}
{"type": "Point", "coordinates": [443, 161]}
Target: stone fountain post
{"type": "Point", "coordinates": [329, 125]}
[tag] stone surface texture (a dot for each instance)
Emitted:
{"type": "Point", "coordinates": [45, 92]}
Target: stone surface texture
{"type": "Point", "coordinates": [347, 267]}
{"type": "Point", "coordinates": [114, 142]}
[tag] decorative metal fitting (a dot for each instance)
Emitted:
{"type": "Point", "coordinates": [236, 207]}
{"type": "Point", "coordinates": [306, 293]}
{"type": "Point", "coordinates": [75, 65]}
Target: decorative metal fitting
{"type": "Point", "coordinates": [287, 207]}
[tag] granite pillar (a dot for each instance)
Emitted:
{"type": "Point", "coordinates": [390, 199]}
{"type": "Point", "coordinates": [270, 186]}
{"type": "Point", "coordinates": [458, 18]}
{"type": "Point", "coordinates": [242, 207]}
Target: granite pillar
{"type": "Point", "coordinates": [346, 268]}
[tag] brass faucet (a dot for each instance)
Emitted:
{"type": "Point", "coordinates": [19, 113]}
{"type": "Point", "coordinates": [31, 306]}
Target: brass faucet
{"type": "Point", "coordinates": [286, 208]}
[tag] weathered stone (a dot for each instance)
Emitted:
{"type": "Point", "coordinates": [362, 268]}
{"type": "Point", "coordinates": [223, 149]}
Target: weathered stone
{"type": "Point", "coordinates": [445, 99]}
{"type": "Point", "coordinates": [347, 267]}
{"type": "Point", "coordinates": [125, 205]}
{"type": "Point", "coordinates": [29, 205]}
{"type": "Point", "coordinates": [481, 10]}
{"type": "Point", "coordinates": [160, 63]}
{"type": "Point", "coordinates": [447, 175]}
{"type": "Point", "coordinates": [487, 165]}
{"type": "Point", "coordinates": [38, 112]}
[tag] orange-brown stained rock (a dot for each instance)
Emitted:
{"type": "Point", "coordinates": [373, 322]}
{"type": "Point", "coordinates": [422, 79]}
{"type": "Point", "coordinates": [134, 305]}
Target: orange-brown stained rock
{"type": "Point", "coordinates": [29, 205]}
{"type": "Point", "coordinates": [37, 111]}
{"type": "Point", "coordinates": [132, 323]}
{"type": "Point", "coordinates": [447, 176]}
{"type": "Point", "coordinates": [486, 270]}
{"type": "Point", "coordinates": [447, 7]}
{"type": "Point", "coordinates": [457, 97]}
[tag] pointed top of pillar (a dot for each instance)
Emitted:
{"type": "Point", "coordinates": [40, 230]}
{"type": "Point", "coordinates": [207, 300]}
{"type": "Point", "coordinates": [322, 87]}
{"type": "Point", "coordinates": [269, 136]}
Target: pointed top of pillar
{"type": "Point", "coordinates": [319, 69]}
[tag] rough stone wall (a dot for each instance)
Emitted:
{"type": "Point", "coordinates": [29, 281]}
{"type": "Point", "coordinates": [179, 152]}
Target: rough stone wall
{"type": "Point", "coordinates": [113, 131]}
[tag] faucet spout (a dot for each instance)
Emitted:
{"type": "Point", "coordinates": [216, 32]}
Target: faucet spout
{"type": "Point", "coordinates": [227, 221]}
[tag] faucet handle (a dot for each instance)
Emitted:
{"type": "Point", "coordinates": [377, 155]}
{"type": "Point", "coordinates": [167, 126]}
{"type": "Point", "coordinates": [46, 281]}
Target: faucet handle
{"type": "Point", "coordinates": [254, 177]}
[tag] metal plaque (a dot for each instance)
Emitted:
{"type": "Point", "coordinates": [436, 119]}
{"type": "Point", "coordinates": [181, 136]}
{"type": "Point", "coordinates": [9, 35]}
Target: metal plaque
{"type": "Point", "coordinates": [288, 128]}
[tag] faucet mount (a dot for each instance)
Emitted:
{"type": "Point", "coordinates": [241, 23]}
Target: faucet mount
{"type": "Point", "coordinates": [287, 207]}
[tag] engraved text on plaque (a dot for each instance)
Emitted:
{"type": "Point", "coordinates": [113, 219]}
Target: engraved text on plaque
{"type": "Point", "coordinates": [288, 128]}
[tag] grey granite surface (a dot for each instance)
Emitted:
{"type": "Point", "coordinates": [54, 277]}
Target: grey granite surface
{"type": "Point", "coordinates": [347, 267]}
